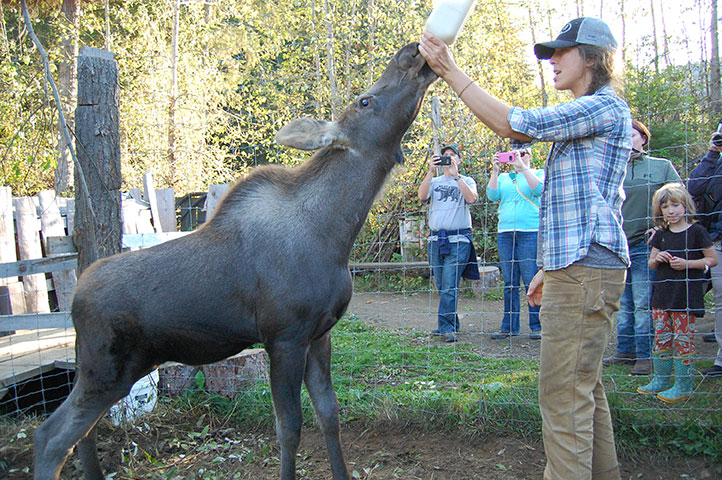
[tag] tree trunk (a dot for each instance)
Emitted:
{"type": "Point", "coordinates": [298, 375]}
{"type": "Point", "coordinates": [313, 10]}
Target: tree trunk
{"type": "Point", "coordinates": [67, 70]}
{"type": "Point", "coordinates": [316, 59]}
{"type": "Point", "coordinates": [654, 38]}
{"type": "Point", "coordinates": [173, 91]}
{"type": "Point", "coordinates": [97, 218]}
{"type": "Point", "coordinates": [538, 62]}
{"type": "Point", "coordinates": [665, 44]}
{"type": "Point", "coordinates": [347, 66]}
{"type": "Point", "coordinates": [330, 62]}
{"type": "Point", "coordinates": [5, 49]}
{"type": "Point", "coordinates": [371, 47]}
{"type": "Point", "coordinates": [714, 66]}
{"type": "Point", "coordinates": [108, 45]}
{"type": "Point", "coordinates": [624, 33]}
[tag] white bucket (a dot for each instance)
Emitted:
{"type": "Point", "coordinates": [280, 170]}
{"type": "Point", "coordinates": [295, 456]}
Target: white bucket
{"type": "Point", "coordinates": [141, 399]}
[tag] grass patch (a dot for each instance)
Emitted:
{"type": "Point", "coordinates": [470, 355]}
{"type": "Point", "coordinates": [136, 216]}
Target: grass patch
{"type": "Point", "coordinates": [411, 282]}
{"type": "Point", "coordinates": [400, 377]}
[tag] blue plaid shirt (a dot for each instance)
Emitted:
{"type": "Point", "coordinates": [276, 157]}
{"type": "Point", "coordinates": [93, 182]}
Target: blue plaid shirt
{"type": "Point", "coordinates": [582, 197]}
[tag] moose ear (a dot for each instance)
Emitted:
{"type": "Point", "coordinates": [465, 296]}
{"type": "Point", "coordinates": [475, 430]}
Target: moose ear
{"type": "Point", "coordinates": [307, 134]}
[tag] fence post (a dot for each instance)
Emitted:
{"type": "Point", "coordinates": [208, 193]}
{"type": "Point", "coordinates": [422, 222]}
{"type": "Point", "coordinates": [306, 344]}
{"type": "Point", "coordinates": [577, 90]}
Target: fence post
{"type": "Point", "coordinates": [97, 231]}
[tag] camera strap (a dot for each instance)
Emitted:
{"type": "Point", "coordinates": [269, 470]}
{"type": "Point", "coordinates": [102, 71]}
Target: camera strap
{"type": "Point", "coordinates": [524, 196]}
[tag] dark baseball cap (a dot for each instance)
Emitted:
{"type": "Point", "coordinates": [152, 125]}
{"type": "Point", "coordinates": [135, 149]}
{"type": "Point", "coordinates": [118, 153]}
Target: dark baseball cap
{"type": "Point", "coordinates": [453, 147]}
{"type": "Point", "coordinates": [580, 31]}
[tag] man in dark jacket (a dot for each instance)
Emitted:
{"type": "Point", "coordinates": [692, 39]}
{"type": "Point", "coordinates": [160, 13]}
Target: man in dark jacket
{"type": "Point", "coordinates": [706, 180]}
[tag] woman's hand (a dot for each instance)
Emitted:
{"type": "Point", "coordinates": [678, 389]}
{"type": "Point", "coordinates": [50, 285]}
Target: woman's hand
{"type": "Point", "coordinates": [534, 292]}
{"type": "Point", "coordinates": [495, 165]}
{"type": "Point", "coordinates": [437, 55]}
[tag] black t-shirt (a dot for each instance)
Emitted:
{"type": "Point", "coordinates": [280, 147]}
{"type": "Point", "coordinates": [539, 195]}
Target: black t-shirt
{"type": "Point", "coordinates": [680, 290]}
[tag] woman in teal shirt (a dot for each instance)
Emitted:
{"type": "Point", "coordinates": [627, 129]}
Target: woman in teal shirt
{"type": "Point", "coordinates": [518, 192]}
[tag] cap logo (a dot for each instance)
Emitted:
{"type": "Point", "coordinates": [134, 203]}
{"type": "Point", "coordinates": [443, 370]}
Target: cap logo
{"type": "Point", "coordinates": [566, 28]}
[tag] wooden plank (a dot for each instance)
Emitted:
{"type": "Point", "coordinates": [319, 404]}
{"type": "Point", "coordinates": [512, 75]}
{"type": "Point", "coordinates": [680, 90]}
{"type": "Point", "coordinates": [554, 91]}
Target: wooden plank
{"type": "Point", "coordinates": [8, 251]}
{"type": "Point", "coordinates": [129, 240]}
{"type": "Point", "coordinates": [165, 198]}
{"type": "Point", "coordinates": [28, 226]}
{"type": "Point", "coordinates": [150, 197]}
{"type": "Point", "coordinates": [58, 245]}
{"type": "Point", "coordinates": [136, 216]}
{"type": "Point", "coordinates": [36, 321]}
{"type": "Point", "coordinates": [215, 193]}
{"type": "Point", "coordinates": [145, 240]}
{"type": "Point", "coordinates": [12, 299]}
{"type": "Point", "coordinates": [387, 265]}
{"type": "Point", "coordinates": [136, 193]}
{"type": "Point", "coordinates": [52, 225]}
{"type": "Point", "coordinates": [56, 263]}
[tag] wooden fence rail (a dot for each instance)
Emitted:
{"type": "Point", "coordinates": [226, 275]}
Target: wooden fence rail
{"type": "Point", "coordinates": [35, 240]}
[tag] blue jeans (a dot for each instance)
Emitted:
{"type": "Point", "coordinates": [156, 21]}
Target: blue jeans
{"type": "Point", "coordinates": [635, 331]}
{"type": "Point", "coordinates": [517, 253]}
{"type": "Point", "coordinates": [447, 271]}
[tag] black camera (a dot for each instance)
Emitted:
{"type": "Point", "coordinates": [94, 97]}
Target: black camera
{"type": "Point", "coordinates": [717, 137]}
{"type": "Point", "coordinates": [444, 160]}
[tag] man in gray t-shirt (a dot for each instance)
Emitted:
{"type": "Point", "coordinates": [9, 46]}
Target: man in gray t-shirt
{"type": "Point", "coordinates": [450, 249]}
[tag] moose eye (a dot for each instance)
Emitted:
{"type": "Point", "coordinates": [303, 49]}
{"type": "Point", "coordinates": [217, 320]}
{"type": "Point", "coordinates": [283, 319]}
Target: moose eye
{"type": "Point", "coordinates": [365, 102]}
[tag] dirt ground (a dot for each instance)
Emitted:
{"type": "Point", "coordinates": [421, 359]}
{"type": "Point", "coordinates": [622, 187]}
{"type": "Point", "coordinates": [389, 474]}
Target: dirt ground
{"type": "Point", "coordinates": [479, 317]}
{"type": "Point", "coordinates": [162, 448]}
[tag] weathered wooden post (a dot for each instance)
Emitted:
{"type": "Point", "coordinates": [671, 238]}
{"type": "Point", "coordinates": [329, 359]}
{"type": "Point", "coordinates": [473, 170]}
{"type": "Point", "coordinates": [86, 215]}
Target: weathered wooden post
{"type": "Point", "coordinates": [97, 231]}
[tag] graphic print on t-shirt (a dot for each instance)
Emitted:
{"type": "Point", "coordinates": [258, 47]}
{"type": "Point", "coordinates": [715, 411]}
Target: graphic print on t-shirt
{"type": "Point", "coordinates": [448, 192]}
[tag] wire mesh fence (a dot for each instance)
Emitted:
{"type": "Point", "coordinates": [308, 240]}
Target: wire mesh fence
{"type": "Point", "coordinates": [386, 359]}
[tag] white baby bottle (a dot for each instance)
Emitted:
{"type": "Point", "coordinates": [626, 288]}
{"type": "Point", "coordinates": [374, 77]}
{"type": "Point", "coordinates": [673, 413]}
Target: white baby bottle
{"type": "Point", "coordinates": [447, 18]}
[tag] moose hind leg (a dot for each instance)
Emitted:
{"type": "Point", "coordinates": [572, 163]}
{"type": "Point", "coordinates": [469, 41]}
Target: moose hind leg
{"type": "Point", "coordinates": [287, 365]}
{"type": "Point", "coordinates": [320, 389]}
{"type": "Point", "coordinates": [88, 452]}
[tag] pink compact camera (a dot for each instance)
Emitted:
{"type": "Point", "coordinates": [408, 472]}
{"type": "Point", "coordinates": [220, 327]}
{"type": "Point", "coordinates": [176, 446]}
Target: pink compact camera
{"type": "Point", "coordinates": [507, 157]}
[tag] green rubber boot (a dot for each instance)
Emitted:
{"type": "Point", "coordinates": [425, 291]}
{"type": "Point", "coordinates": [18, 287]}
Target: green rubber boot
{"type": "Point", "coordinates": [682, 389]}
{"type": "Point", "coordinates": [662, 362]}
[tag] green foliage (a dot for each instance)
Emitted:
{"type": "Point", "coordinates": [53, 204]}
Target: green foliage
{"type": "Point", "coordinates": [27, 123]}
{"type": "Point", "coordinates": [672, 105]}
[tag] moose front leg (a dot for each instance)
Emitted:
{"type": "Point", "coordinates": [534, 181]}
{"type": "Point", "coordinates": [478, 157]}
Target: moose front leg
{"type": "Point", "coordinates": [288, 362]}
{"type": "Point", "coordinates": [320, 388]}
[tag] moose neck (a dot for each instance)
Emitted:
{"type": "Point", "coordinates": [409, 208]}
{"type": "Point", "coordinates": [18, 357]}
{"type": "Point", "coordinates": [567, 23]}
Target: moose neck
{"type": "Point", "coordinates": [345, 186]}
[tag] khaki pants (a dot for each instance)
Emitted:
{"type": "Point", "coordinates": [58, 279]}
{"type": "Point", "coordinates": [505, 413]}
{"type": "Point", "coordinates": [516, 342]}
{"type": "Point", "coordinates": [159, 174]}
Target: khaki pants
{"type": "Point", "coordinates": [578, 306]}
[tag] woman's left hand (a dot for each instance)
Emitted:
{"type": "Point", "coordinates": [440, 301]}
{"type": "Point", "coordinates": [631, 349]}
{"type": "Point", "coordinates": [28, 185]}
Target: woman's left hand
{"type": "Point", "coordinates": [437, 54]}
{"type": "Point", "coordinates": [534, 292]}
{"type": "Point", "coordinates": [518, 162]}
